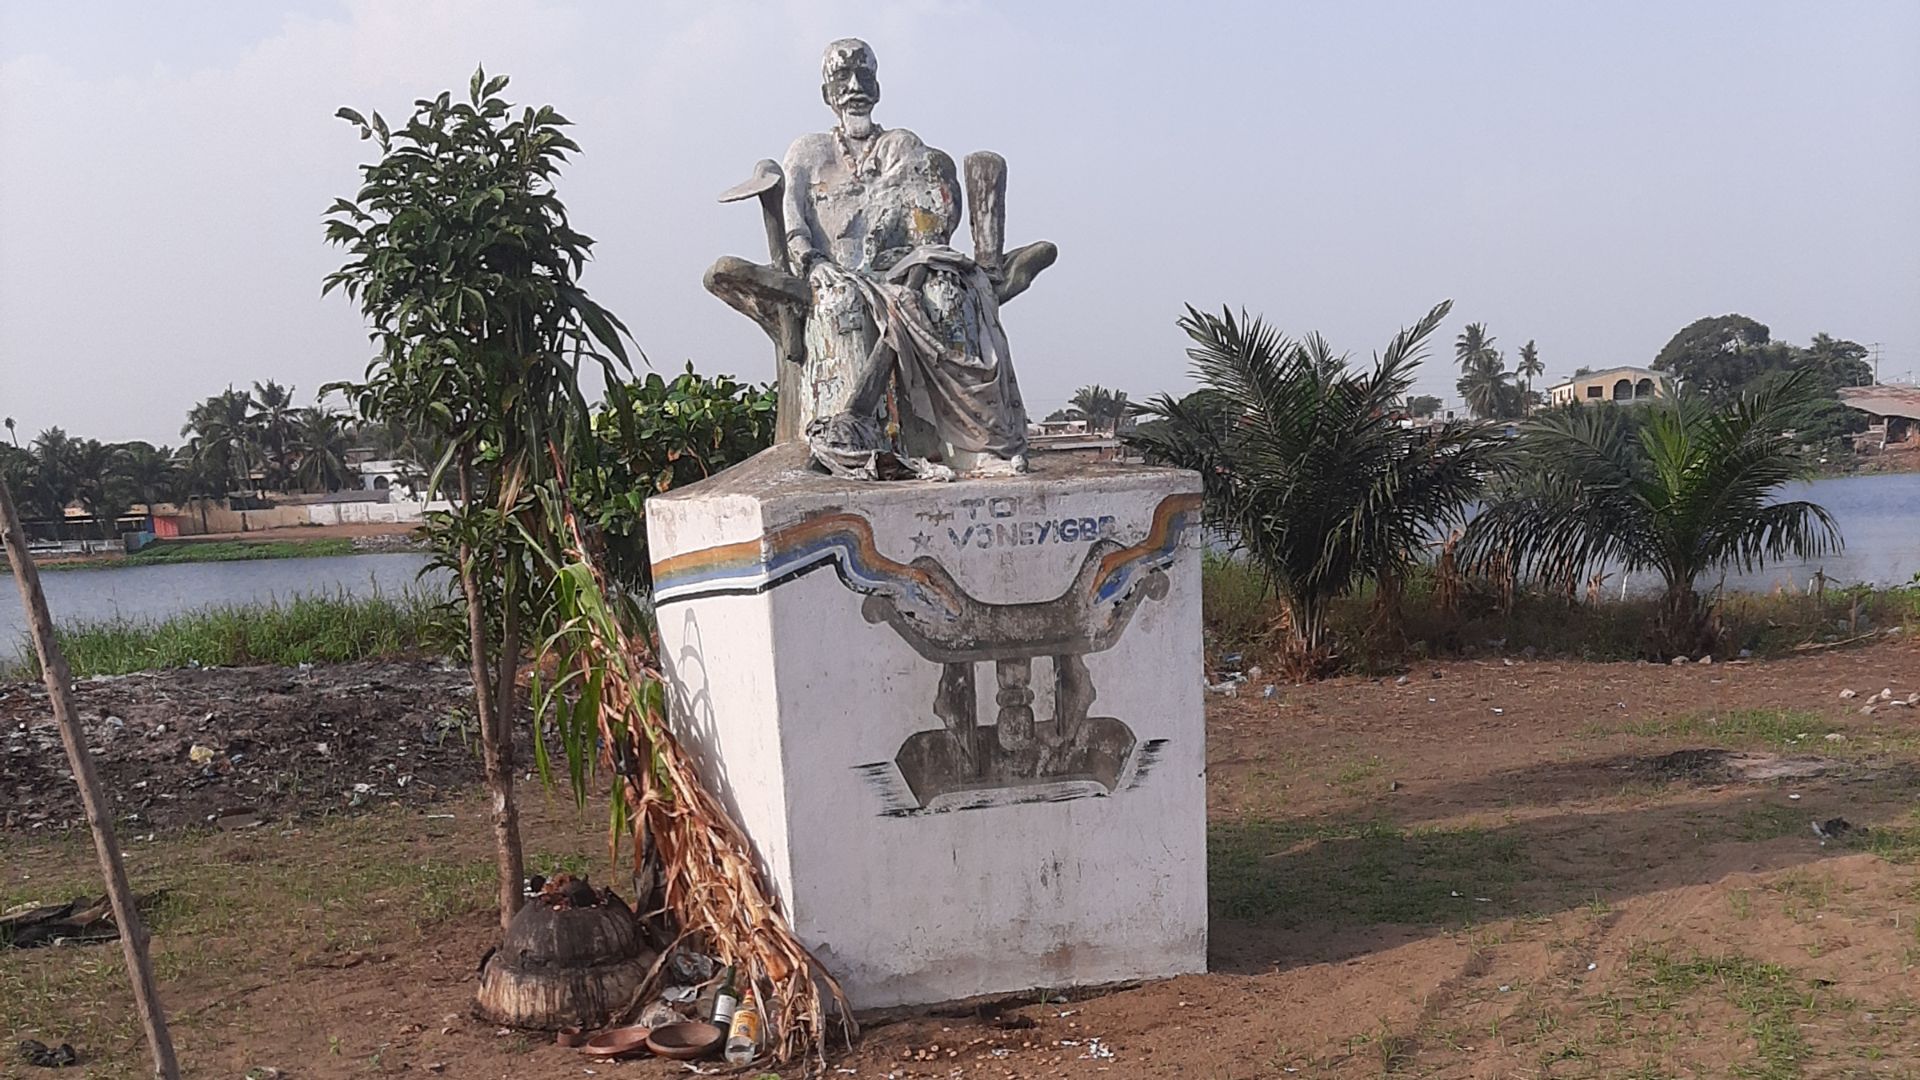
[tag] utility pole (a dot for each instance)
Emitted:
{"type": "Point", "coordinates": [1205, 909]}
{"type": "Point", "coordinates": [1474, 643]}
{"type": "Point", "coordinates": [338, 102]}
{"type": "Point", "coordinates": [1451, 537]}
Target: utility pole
{"type": "Point", "coordinates": [1876, 363]}
{"type": "Point", "coordinates": [59, 680]}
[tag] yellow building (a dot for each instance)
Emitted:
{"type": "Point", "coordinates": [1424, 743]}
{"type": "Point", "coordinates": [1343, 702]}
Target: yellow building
{"type": "Point", "coordinates": [1614, 384]}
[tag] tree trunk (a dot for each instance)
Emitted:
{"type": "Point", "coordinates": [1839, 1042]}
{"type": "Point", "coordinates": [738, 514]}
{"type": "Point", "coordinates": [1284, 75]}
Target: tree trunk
{"type": "Point", "coordinates": [496, 740]}
{"type": "Point", "coordinates": [1686, 626]}
{"type": "Point", "coordinates": [59, 680]}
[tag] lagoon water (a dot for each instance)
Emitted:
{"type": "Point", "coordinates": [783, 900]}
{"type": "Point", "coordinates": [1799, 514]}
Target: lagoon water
{"type": "Point", "coordinates": [155, 592]}
{"type": "Point", "coordinates": [1879, 517]}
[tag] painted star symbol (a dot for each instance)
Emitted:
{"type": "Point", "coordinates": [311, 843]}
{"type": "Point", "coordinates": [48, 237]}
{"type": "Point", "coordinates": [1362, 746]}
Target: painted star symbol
{"type": "Point", "coordinates": [920, 541]}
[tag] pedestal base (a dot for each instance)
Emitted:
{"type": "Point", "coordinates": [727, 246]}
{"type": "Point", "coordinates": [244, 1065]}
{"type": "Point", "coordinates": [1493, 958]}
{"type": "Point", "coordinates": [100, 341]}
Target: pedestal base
{"type": "Point", "coordinates": [893, 686]}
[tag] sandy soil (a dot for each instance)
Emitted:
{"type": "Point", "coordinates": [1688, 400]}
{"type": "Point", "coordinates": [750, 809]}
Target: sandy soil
{"type": "Point", "coordinates": [1484, 870]}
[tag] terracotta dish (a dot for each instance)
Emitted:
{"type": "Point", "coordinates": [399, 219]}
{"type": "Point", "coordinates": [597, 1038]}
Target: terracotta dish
{"type": "Point", "coordinates": [686, 1041]}
{"type": "Point", "coordinates": [617, 1042]}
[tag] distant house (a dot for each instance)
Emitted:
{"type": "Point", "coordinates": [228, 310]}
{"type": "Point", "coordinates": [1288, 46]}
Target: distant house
{"type": "Point", "coordinates": [1614, 384]}
{"type": "Point", "coordinates": [1893, 413]}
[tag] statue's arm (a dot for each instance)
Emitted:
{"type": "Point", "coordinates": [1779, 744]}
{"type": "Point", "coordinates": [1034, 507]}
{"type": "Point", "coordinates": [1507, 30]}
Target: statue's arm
{"type": "Point", "coordinates": [801, 226]}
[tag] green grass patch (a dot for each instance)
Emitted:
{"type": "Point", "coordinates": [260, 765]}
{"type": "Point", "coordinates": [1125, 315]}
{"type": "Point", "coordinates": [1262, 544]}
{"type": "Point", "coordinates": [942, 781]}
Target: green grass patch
{"type": "Point", "coordinates": [1358, 874]}
{"type": "Point", "coordinates": [1773, 997]}
{"type": "Point", "coordinates": [1239, 609]}
{"type": "Point", "coordinates": [1895, 843]}
{"type": "Point", "coordinates": [306, 629]}
{"type": "Point", "coordinates": [1779, 729]}
{"type": "Point", "coordinates": [237, 908]}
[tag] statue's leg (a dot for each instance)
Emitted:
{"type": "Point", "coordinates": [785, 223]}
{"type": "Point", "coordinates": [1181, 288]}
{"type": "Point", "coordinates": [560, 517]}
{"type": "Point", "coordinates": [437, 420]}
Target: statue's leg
{"type": "Point", "coordinates": [840, 339]}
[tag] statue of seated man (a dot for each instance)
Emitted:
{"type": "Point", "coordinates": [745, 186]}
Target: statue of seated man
{"type": "Point", "coordinates": [903, 365]}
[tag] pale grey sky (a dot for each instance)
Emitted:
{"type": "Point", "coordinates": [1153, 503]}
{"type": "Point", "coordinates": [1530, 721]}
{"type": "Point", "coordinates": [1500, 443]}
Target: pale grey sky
{"type": "Point", "coordinates": [1593, 176]}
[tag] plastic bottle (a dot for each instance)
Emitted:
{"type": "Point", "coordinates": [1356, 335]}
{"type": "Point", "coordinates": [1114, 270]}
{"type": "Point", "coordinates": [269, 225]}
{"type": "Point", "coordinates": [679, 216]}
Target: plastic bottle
{"type": "Point", "coordinates": [743, 1039]}
{"type": "Point", "coordinates": [727, 1001]}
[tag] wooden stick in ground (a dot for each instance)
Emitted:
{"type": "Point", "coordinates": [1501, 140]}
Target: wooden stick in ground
{"type": "Point", "coordinates": [53, 666]}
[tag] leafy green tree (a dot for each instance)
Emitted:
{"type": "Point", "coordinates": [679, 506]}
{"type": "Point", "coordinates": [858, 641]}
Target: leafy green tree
{"type": "Point", "coordinates": [670, 433]}
{"type": "Point", "coordinates": [1305, 470]}
{"type": "Point", "coordinates": [1423, 405]}
{"type": "Point", "coordinates": [1681, 487]}
{"type": "Point", "coordinates": [463, 260]}
{"type": "Point", "coordinates": [1718, 357]}
{"type": "Point", "coordinates": [21, 471]}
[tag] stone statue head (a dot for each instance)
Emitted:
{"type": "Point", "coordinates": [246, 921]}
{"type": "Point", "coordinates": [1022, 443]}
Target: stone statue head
{"type": "Point", "coordinates": [850, 78]}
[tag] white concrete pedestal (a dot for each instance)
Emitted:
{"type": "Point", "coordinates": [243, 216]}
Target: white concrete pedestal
{"type": "Point", "coordinates": [961, 722]}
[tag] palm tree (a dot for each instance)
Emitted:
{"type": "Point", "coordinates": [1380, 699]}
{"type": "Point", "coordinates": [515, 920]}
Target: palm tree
{"type": "Point", "coordinates": [58, 471]}
{"type": "Point", "coordinates": [14, 435]}
{"type": "Point", "coordinates": [1473, 349]}
{"type": "Point", "coordinates": [1101, 408]}
{"type": "Point", "coordinates": [270, 411]}
{"type": "Point", "coordinates": [1530, 367]}
{"type": "Point", "coordinates": [1489, 390]}
{"type": "Point", "coordinates": [222, 442]}
{"type": "Point", "coordinates": [150, 473]}
{"type": "Point", "coordinates": [1304, 467]}
{"type": "Point", "coordinates": [1688, 489]}
{"type": "Point", "coordinates": [1485, 384]}
{"type": "Point", "coordinates": [320, 447]}
{"type": "Point", "coordinates": [97, 482]}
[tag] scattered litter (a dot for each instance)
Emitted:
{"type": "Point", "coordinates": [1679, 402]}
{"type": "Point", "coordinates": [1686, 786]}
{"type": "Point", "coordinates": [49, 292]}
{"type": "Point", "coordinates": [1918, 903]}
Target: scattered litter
{"type": "Point", "coordinates": [1499, 712]}
{"type": "Point", "coordinates": [1849, 695]}
{"type": "Point", "coordinates": [1504, 988]}
{"type": "Point", "coordinates": [1097, 1051]}
{"type": "Point", "coordinates": [1592, 966]}
{"type": "Point", "coordinates": [1834, 736]}
{"type": "Point", "coordinates": [35, 1052]}
{"type": "Point", "coordinates": [1795, 795]}
{"type": "Point", "coordinates": [1831, 829]}
{"type": "Point", "coordinates": [1270, 692]}
{"type": "Point", "coordinates": [1402, 681]}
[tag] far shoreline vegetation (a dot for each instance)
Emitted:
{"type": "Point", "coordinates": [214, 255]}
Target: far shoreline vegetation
{"type": "Point", "coordinates": [1438, 621]}
{"type": "Point", "coordinates": [175, 552]}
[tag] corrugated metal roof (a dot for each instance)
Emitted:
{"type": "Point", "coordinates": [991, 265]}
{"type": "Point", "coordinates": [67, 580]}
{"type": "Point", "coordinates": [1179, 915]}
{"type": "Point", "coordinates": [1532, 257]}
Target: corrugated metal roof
{"type": "Point", "coordinates": [1902, 401]}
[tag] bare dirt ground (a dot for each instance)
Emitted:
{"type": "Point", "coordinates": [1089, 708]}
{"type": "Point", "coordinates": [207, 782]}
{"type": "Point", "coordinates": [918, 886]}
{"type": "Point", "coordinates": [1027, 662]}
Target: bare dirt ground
{"type": "Point", "coordinates": [1487, 870]}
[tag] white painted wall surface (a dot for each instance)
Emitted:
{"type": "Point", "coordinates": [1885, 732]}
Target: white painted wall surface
{"type": "Point", "coordinates": [802, 705]}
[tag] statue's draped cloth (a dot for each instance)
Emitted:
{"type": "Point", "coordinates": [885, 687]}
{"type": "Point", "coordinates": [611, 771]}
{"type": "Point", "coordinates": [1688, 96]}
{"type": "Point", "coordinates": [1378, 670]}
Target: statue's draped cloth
{"type": "Point", "coordinates": [954, 371]}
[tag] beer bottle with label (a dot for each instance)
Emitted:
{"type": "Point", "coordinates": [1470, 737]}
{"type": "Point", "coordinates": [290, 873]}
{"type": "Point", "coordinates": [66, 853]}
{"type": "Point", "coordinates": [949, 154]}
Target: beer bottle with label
{"type": "Point", "coordinates": [726, 1001]}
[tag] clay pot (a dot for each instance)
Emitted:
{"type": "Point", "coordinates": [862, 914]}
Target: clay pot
{"type": "Point", "coordinates": [561, 968]}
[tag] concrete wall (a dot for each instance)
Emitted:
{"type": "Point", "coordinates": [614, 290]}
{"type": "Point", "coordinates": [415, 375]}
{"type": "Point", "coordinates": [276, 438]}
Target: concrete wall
{"type": "Point", "coordinates": [841, 654]}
